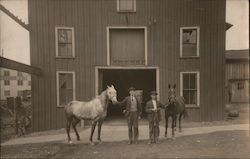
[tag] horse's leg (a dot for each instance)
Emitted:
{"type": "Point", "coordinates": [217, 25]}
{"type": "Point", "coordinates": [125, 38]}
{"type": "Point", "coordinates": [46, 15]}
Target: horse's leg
{"type": "Point", "coordinates": [99, 131]}
{"type": "Point", "coordinates": [180, 121]}
{"type": "Point", "coordinates": [74, 123]}
{"type": "Point", "coordinates": [173, 125]}
{"type": "Point", "coordinates": [69, 120]}
{"type": "Point", "coordinates": [166, 125]}
{"type": "Point", "coordinates": [92, 132]}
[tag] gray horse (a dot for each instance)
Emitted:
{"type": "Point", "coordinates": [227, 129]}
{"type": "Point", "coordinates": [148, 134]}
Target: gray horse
{"type": "Point", "coordinates": [94, 110]}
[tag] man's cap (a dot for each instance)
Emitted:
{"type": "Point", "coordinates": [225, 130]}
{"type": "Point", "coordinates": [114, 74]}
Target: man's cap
{"type": "Point", "coordinates": [131, 89]}
{"type": "Point", "coordinates": [153, 93]}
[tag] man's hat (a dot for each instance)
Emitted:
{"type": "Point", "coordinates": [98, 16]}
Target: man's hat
{"type": "Point", "coordinates": [153, 93]}
{"type": "Point", "coordinates": [131, 89]}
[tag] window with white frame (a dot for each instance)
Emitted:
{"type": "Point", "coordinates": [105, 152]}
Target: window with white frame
{"type": "Point", "coordinates": [126, 5]}
{"type": "Point", "coordinates": [65, 87]}
{"type": "Point", "coordinates": [65, 45]}
{"type": "Point", "coordinates": [189, 41]}
{"type": "Point", "coordinates": [6, 82]}
{"type": "Point", "coordinates": [190, 88]}
{"type": "Point", "coordinates": [6, 73]}
{"type": "Point", "coordinates": [19, 82]}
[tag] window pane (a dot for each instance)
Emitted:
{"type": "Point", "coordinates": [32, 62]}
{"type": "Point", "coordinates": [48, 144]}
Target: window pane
{"type": "Point", "coordinates": [65, 50]}
{"type": "Point", "coordinates": [69, 36]}
{"type": "Point", "coordinates": [192, 80]}
{"type": "Point", "coordinates": [62, 36]}
{"type": "Point", "coordinates": [186, 96]}
{"type": "Point", "coordinates": [65, 88]}
{"type": "Point", "coordinates": [126, 5]}
{"type": "Point", "coordinates": [185, 81]}
{"type": "Point", "coordinates": [6, 73]}
{"type": "Point", "coordinates": [193, 97]}
{"type": "Point", "coordinates": [189, 42]}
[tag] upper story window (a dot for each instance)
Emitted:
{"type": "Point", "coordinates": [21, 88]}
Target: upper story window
{"type": "Point", "coordinates": [6, 82]}
{"type": "Point", "coordinates": [6, 73]}
{"type": "Point", "coordinates": [19, 73]}
{"type": "Point", "coordinates": [65, 45]}
{"type": "Point", "coordinates": [190, 88]}
{"type": "Point", "coordinates": [19, 82]}
{"type": "Point", "coordinates": [189, 41]}
{"type": "Point", "coordinates": [126, 5]}
{"type": "Point", "coordinates": [65, 87]}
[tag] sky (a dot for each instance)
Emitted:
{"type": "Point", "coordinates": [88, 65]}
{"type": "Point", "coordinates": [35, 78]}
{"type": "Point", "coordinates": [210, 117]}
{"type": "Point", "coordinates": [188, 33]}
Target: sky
{"type": "Point", "coordinates": [14, 40]}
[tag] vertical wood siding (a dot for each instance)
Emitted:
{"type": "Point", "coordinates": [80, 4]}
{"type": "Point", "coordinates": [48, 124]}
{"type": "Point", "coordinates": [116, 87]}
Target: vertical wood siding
{"type": "Point", "coordinates": [163, 19]}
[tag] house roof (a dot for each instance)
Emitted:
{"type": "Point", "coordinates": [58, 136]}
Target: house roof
{"type": "Point", "coordinates": [237, 54]}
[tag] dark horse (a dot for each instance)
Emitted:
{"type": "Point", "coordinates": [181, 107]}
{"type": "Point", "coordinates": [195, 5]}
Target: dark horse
{"type": "Point", "coordinates": [175, 106]}
{"type": "Point", "coordinates": [94, 110]}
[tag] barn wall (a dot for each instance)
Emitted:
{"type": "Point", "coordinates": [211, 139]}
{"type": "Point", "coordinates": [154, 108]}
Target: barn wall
{"type": "Point", "coordinates": [163, 20]}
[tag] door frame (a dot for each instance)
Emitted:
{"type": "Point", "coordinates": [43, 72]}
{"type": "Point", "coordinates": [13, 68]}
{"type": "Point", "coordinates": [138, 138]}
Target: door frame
{"type": "Point", "coordinates": [156, 68]}
{"type": "Point", "coordinates": [128, 27]}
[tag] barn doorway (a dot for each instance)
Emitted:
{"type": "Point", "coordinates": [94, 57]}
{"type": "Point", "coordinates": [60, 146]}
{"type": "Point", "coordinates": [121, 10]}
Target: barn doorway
{"type": "Point", "coordinates": [144, 80]}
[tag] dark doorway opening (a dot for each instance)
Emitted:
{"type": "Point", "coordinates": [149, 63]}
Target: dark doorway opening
{"type": "Point", "coordinates": [142, 79]}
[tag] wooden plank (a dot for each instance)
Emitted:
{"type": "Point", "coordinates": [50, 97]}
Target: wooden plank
{"type": "Point", "coordinates": [14, 65]}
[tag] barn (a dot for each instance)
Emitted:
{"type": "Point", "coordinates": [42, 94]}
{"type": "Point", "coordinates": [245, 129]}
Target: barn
{"type": "Point", "coordinates": [83, 45]}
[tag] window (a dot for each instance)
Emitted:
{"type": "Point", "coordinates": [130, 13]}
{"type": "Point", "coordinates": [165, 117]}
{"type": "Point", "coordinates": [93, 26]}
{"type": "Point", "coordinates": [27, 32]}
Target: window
{"type": "Point", "coordinates": [6, 82]}
{"type": "Point", "coordinates": [190, 88]}
{"type": "Point", "coordinates": [65, 87]}
{"type": "Point", "coordinates": [19, 82]}
{"type": "Point", "coordinates": [126, 5]}
{"type": "Point", "coordinates": [7, 93]}
{"type": "Point", "coordinates": [6, 73]}
{"type": "Point", "coordinates": [19, 73]}
{"type": "Point", "coordinates": [189, 41]}
{"type": "Point", "coordinates": [65, 46]}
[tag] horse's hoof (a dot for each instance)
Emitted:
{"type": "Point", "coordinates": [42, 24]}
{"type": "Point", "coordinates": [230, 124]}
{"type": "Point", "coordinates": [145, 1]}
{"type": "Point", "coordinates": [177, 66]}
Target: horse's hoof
{"type": "Point", "coordinates": [70, 142]}
{"type": "Point", "coordinates": [78, 139]}
{"type": "Point", "coordinates": [166, 136]}
{"type": "Point", "coordinates": [92, 143]}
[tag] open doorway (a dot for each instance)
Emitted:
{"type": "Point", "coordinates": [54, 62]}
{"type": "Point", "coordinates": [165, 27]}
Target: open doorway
{"type": "Point", "coordinates": [144, 80]}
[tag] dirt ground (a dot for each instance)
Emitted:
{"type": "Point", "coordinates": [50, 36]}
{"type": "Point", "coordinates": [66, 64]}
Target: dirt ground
{"type": "Point", "coordinates": [226, 144]}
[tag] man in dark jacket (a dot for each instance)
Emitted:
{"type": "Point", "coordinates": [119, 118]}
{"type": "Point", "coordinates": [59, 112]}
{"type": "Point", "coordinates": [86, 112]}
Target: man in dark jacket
{"type": "Point", "coordinates": [133, 112]}
{"type": "Point", "coordinates": [154, 117]}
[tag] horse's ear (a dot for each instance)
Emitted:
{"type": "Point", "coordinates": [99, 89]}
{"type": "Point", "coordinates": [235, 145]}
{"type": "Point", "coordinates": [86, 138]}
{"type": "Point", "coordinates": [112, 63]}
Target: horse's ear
{"type": "Point", "coordinates": [107, 86]}
{"type": "Point", "coordinates": [169, 86]}
{"type": "Point", "coordinates": [174, 86]}
{"type": "Point", "coordinates": [112, 86]}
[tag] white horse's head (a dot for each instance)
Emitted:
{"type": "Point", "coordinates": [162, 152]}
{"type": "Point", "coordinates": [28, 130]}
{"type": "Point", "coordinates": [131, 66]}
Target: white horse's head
{"type": "Point", "coordinates": [111, 93]}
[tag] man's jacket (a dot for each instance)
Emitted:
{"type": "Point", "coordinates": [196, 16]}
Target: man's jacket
{"type": "Point", "coordinates": [154, 115]}
{"type": "Point", "coordinates": [126, 102]}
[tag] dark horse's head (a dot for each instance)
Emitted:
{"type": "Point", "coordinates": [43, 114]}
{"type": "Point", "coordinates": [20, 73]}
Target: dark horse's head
{"type": "Point", "coordinates": [171, 94]}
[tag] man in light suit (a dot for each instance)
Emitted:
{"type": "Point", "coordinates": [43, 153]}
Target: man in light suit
{"type": "Point", "coordinates": [153, 107]}
{"type": "Point", "coordinates": [132, 112]}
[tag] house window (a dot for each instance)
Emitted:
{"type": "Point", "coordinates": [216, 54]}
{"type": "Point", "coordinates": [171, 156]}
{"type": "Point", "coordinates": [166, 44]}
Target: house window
{"type": "Point", "coordinates": [189, 41]}
{"type": "Point", "coordinates": [126, 5]}
{"type": "Point", "coordinates": [65, 87]}
{"type": "Point", "coordinates": [65, 46]}
{"type": "Point", "coordinates": [7, 93]}
{"type": "Point", "coordinates": [6, 73]}
{"type": "Point", "coordinates": [19, 73]}
{"type": "Point", "coordinates": [190, 88]}
{"type": "Point", "coordinates": [19, 82]}
{"type": "Point", "coordinates": [6, 82]}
